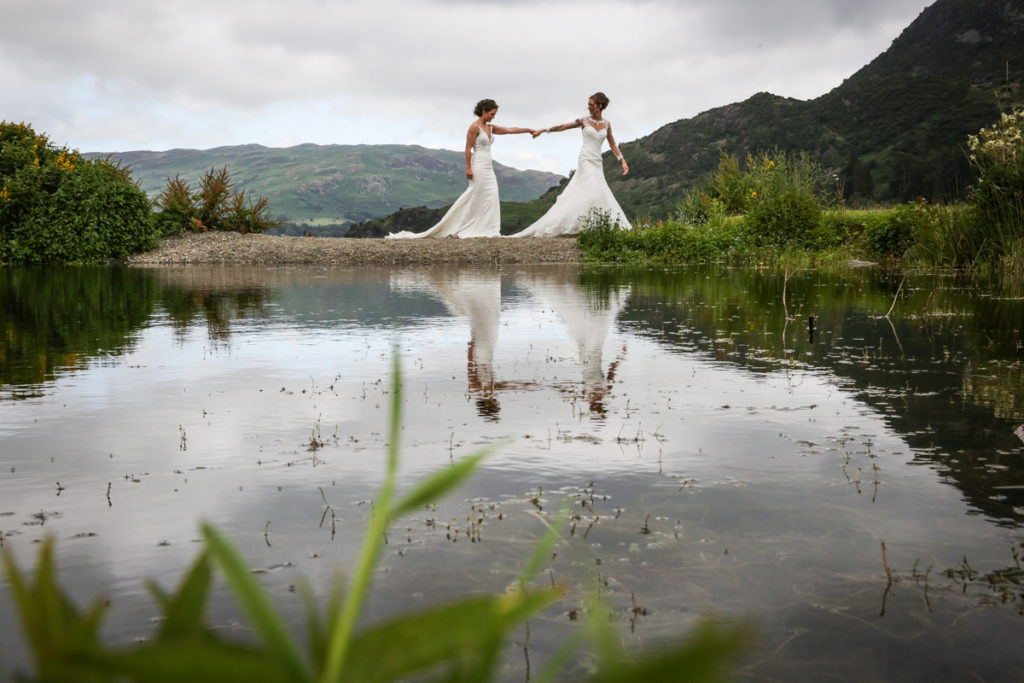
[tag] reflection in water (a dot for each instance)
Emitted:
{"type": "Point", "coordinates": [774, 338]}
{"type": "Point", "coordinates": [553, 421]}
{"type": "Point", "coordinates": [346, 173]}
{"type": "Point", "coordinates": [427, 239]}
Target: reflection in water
{"type": "Point", "coordinates": [59, 319]}
{"type": "Point", "coordinates": [946, 369]}
{"type": "Point", "coordinates": [473, 294]}
{"type": "Point", "coordinates": [589, 314]}
{"type": "Point", "coordinates": [763, 465]}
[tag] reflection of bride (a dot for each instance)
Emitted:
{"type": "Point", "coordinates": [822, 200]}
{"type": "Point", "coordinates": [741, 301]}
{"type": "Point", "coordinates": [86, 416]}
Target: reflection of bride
{"type": "Point", "coordinates": [589, 315]}
{"type": "Point", "coordinates": [475, 295]}
{"type": "Point", "coordinates": [587, 191]}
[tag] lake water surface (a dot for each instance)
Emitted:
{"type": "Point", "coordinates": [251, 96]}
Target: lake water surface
{"type": "Point", "coordinates": [733, 442]}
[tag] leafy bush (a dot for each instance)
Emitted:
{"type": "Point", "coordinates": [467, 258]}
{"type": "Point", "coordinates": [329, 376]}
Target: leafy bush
{"type": "Point", "coordinates": [600, 235]}
{"type": "Point", "coordinates": [787, 218]}
{"type": "Point", "coordinates": [673, 241]}
{"type": "Point", "coordinates": [727, 189]}
{"type": "Point", "coordinates": [460, 641]}
{"type": "Point", "coordinates": [212, 207]}
{"type": "Point", "coordinates": [892, 233]}
{"type": "Point", "coordinates": [784, 208]}
{"type": "Point", "coordinates": [56, 207]}
{"type": "Point", "coordinates": [780, 195]}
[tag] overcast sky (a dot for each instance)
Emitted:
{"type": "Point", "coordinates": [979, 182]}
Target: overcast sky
{"type": "Point", "coordinates": [119, 75]}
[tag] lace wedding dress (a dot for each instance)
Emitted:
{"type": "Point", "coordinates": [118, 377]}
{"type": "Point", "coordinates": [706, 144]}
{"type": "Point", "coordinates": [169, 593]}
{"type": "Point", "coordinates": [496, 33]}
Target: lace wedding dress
{"type": "Point", "coordinates": [476, 213]}
{"type": "Point", "coordinates": [587, 190]}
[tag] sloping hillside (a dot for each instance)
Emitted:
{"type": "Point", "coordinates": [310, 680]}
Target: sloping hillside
{"type": "Point", "coordinates": [892, 131]}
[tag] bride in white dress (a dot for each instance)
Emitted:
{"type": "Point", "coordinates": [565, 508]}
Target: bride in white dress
{"type": "Point", "coordinates": [477, 212]}
{"type": "Point", "coordinates": [587, 190]}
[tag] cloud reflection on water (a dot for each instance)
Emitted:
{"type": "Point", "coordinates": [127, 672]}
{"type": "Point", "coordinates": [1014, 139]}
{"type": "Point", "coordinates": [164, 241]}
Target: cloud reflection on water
{"type": "Point", "coordinates": [791, 468]}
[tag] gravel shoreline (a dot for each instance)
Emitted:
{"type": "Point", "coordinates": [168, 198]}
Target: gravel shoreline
{"type": "Point", "coordinates": [272, 250]}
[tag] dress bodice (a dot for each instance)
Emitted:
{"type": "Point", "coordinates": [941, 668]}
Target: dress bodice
{"type": "Point", "coordinates": [484, 139]}
{"type": "Point", "coordinates": [593, 140]}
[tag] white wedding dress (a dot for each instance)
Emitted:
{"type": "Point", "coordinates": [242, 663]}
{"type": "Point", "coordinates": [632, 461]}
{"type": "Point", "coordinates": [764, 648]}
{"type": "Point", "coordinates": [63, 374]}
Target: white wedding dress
{"type": "Point", "coordinates": [476, 213]}
{"type": "Point", "coordinates": [587, 190]}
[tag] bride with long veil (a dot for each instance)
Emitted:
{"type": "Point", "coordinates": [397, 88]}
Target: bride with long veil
{"type": "Point", "coordinates": [477, 212]}
{"type": "Point", "coordinates": [587, 190]}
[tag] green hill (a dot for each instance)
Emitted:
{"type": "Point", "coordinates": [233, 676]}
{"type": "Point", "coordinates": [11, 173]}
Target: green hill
{"type": "Point", "coordinates": [893, 131]}
{"type": "Point", "coordinates": [332, 184]}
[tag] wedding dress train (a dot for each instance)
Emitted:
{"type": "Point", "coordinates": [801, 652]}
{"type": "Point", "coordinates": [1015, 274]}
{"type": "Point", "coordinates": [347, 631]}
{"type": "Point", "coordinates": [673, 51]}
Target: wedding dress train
{"type": "Point", "coordinates": [587, 191]}
{"type": "Point", "coordinates": [476, 213]}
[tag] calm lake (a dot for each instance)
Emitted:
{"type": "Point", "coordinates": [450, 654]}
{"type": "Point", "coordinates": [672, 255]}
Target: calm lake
{"type": "Point", "coordinates": [723, 454]}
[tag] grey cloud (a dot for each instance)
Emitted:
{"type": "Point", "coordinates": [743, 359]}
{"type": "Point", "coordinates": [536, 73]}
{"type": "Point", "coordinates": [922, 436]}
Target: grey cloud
{"type": "Point", "coordinates": [371, 69]}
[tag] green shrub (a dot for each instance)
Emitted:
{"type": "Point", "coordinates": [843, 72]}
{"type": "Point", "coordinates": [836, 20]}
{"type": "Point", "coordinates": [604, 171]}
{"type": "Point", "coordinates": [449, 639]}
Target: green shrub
{"type": "Point", "coordinates": [56, 207]}
{"type": "Point", "coordinates": [944, 235]}
{"type": "Point", "coordinates": [600, 237]}
{"type": "Point", "coordinates": [95, 215]}
{"type": "Point", "coordinates": [892, 233]}
{"type": "Point", "coordinates": [717, 238]}
{"type": "Point", "coordinates": [783, 219]}
{"type": "Point", "coordinates": [730, 185]}
{"type": "Point", "coordinates": [212, 207]}
{"type": "Point", "coordinates": [785, 198]}
{"type": "Point", "coordinates": [726, 189]}
{"type": "Point", "coordinates": [780, 196]}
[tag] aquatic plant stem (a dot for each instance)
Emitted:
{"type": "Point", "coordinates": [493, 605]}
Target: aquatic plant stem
{"type": "Point", "coordinates": [898, 290]}
{"type": "Point", "coordinates": [341, 635]}
{"type": "Point", "coordinates": [885, 564]}
{"type": "Point", "coordinates": [785, 283]}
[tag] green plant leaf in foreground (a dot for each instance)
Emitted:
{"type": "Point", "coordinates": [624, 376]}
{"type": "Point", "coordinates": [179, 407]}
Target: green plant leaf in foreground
{"type": "Point", "coordinates": [342, 627]}
{"type": "Point", "coordinates": [438, 484]}
{"type": "Point", "coordinates": [318, 628]}
{"type": "Point", "coordinates": [57, 632]}
{"type": "Point", "coordinates": [192, 659]}
{"type": "Point", "coordinates": [704, 657]}
{"type": "Point", "coordinates": [184, 612]}
{"type": "Point", "coordinates": [254, 600]}
{"type": "Point", "coordinates": [463, 634]}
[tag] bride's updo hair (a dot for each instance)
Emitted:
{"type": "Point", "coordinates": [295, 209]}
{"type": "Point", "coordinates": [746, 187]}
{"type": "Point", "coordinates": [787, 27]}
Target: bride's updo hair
{"type": "Point", "coordinates": [600, 99]}
{"type": "Point", "coordinates": [484, 105]}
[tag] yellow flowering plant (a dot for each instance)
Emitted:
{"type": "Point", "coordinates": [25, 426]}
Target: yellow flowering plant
{"type": "Point", "coordinates": [58, 207]}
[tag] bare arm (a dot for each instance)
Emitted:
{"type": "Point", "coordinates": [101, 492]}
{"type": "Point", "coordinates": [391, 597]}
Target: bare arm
{"type": "Point", "coordinates": [474, 130]}
{"type": "Point", "coordinates": [616, 152]}
{"type": "Point", "coordinates": [501, 130]}
{"type": "Point", "coordinates": [560, 127]}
